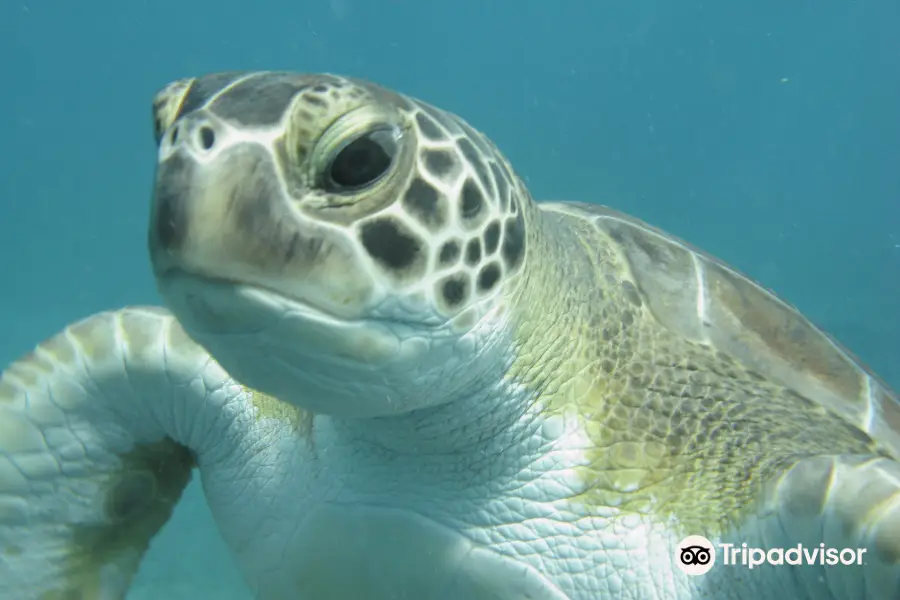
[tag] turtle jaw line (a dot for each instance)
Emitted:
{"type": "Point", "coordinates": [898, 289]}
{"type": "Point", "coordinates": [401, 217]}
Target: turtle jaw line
{"type": "Point", "coordinates": [177, 277]}
{"type": "Point", "coordinates": [211, 307]}
{"type": "Point", "coordinates": [261, 293]}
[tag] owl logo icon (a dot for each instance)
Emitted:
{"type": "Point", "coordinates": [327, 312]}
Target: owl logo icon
{"type": "Point", "coordinates": [695, 555]}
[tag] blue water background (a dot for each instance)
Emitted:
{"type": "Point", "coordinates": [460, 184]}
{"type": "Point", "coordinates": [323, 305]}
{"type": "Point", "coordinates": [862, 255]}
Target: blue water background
{"type": "Point", "coordinates": [766, 132]}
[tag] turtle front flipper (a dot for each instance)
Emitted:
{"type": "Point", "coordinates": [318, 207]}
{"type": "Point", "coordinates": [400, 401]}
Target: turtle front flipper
{"type": "Point", "coordinates": [99, 427]}
{"type": "Point", "coordinates": [844, 513]}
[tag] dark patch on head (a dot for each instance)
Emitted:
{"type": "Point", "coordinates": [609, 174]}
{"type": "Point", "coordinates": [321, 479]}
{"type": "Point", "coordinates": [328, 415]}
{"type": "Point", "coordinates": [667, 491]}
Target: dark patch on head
{"type": "Point", "coordinates": [258, 101]}
{"type": "Point", "coordinates": [449, 254]}
{"type": "Point", "coordinates": [252, 211]}
{"type": "Point", "coordinates": [204, 88]}
{"type": "Point", "coordinates": [631, 293]}
{"type": "Point", "coordinates": [513, 249]}
{"type": "Point", "coordinates": [314, 100]}
{"type": "Point", "coordinates": [488, 277]}
{"type": "Point", "coordinates": [253, 201]}
{"type": "Point", "coordinates": [469, 152]}
{"type": "Point", "coordinates": [308, 247]}
{"type": "Point", "coordinates": [472, 201]}
{"type": "Point", "coordinates": [389, 244]}
{"type": "Point", "coordinates": [424, 203]}
{"type": "Point", "coordinates": [320, 89]}
{"type": "Point", "coordinates": [440, 163]}
{"type": "Point", "coordinates": [174, 180]}
{"type": "Point", "coordinates": [473, 252]}
{"type": "Point", "coordinates": [429, 128]}
{"type": "Point", "coordinates": [502, 186]}
{"type": "Point", "coordinates": [492, 237]}
{"type": "Point", "coordinates": [256, 213]}
{"type": "Point", "coordinates": [455, 290]}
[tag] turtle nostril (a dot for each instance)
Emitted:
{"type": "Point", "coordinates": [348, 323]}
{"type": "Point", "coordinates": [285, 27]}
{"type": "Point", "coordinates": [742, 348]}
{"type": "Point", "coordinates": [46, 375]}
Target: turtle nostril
{"type": "Point", "coordinates": [207, 137]}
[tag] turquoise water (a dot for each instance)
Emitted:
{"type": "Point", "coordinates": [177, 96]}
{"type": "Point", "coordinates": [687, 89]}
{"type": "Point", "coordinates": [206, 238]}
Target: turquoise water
{"type": "Point", "coordinates": [767, 134]}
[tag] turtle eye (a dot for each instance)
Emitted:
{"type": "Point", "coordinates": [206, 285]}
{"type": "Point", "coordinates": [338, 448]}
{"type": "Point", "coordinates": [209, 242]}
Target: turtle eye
{"type": "Point", "coordinates": [363, 160]}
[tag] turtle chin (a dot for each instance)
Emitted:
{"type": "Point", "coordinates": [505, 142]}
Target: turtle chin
{"type": "Point", "coordinates": [299, 353]}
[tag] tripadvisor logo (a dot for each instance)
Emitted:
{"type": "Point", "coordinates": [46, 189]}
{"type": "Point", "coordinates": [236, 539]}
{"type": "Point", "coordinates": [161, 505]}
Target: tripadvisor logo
{"type": "Point", "coordinates": [795, 555]}
{"type": "Point", "coordinates": [696, 555]}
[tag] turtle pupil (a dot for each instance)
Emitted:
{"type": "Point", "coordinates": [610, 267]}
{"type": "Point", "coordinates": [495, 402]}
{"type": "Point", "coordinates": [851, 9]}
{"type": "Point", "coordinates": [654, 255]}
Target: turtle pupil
{"type": "Point", "coordinates": [363, 161]}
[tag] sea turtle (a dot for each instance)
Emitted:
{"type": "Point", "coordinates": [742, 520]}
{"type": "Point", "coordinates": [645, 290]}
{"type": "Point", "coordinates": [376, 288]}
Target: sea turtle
{"type": "Point", "coordinates": [402, 378]}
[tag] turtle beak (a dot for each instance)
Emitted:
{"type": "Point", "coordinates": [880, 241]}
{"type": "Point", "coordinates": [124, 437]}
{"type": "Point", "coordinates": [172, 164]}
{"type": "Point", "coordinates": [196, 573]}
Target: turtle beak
{"type": "Point", "coordinates": [221, 212]}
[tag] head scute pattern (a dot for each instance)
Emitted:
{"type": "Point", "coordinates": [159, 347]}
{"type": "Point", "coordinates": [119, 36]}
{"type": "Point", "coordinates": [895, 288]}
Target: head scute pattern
{"type": "Point", "coordinates": [464, 193]}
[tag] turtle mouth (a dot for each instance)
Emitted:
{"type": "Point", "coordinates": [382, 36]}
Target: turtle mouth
{"type": "Point", "coordinates": [241, 323]}
{"type": "Point", "coordinates": [234, 306]}
{"type": "Point", "coordinates": [230, 305]}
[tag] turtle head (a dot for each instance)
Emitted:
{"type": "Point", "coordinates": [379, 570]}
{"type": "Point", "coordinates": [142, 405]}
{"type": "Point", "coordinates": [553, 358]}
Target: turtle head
{"type": "Point", "coordinates": [333, 243]}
